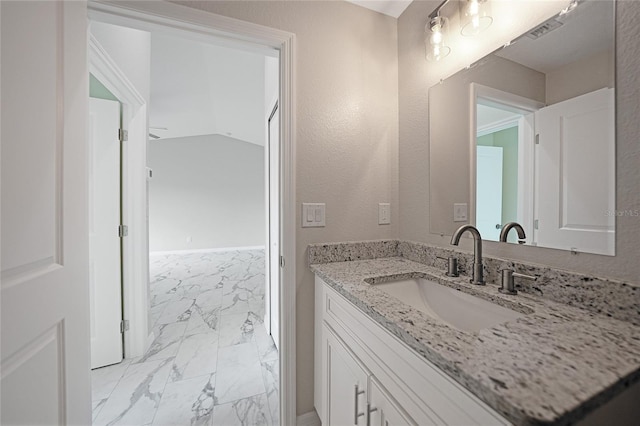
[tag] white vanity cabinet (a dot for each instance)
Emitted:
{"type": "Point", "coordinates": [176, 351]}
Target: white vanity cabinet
{"type": "Point", "coordinates": [366, 376]}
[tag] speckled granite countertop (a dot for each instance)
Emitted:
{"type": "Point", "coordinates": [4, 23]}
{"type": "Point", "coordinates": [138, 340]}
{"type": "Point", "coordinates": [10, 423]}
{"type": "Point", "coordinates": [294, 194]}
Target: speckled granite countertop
{"type": "Point", "coordinates": [551, 366]}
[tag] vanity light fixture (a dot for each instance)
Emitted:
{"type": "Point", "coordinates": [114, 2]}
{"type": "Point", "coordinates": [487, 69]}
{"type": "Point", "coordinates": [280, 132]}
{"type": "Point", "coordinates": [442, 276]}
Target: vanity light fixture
{"type": "Point", "coordinates": [475, 16]}
{"type": "Point", "coordinates": [435, 35]}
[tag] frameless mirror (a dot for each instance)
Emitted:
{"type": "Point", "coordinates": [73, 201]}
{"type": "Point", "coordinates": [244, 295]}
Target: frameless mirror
{"type": "Point", "coordinates": [527, 135]}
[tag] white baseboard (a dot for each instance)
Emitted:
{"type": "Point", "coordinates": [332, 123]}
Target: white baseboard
{"type": "Point", "coordinates": [309, 419]}
{"type": "Point", "coordinates": [205, 250]}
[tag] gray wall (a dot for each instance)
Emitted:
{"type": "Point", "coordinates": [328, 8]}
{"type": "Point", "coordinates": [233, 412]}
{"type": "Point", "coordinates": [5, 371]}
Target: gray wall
{"type": "Point", "coordinates": [347, 131]}
{"type": "Point", "coordinates": [208, 188]}
{"type": "Point", "coordinates": [414, 150]}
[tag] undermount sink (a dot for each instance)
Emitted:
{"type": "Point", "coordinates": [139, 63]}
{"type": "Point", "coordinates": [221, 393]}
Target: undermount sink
{"type": "Point", "coordinates": [460, 310]}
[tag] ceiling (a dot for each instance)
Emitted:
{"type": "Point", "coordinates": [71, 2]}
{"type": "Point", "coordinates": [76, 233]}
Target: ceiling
{"type": "Point", "coordinates": [199, 89]}
{"type": "Point", "coordinates": [585, 31]}
{"type": "Point", "coordinates": [388, 7]}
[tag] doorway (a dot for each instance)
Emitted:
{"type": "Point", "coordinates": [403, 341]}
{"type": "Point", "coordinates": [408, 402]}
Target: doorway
{"type": "Point", "coordinates": [285, 249]}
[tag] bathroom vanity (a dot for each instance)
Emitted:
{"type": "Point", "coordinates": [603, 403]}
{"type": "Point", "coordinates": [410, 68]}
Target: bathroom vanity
{"type": "Point", "coordinates": [384, 356]}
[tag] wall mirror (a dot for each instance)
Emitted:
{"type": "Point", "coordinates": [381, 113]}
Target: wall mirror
{"type": "Point", "coordinates": [527, 135]}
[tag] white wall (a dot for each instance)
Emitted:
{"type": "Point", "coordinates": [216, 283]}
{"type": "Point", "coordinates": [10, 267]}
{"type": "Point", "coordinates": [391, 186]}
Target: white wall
{"type": "Point", "coordinates": [208, 188]}
{"type": "Point", "coordinates": [414, 147]}
{"type": "Point", "coordinates": [570, 80]}
{"type": "Point", "coordinates": [347, 131]}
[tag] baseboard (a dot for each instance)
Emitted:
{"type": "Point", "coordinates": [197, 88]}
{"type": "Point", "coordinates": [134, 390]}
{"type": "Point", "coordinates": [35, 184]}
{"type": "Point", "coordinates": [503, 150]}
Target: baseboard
{"type": "Point", "coordinates": [206, 250]}
{"type": "Point", "coordinates": [309, 419]}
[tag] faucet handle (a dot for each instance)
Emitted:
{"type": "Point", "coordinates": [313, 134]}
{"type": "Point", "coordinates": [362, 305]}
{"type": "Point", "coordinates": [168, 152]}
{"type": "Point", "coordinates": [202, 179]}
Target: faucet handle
{"type": "Point", "coordinates": [508, 285]}
{"type": "Point", "coordinates": [452, 266]}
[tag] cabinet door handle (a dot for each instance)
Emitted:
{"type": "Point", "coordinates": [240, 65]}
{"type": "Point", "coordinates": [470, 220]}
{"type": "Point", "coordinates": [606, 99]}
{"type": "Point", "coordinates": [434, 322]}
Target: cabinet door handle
{"type": "Point", "coordinates": [357, 414]}
{"type": "Point", "coordinates": [369, 411]}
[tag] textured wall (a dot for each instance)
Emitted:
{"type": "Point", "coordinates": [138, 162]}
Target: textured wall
{"type": "Point", "coordinates": [347, 131]}
{"type": "Point", "coordinates": [209, 189]}
{"type": "Point", "coordinates": [415, 78]}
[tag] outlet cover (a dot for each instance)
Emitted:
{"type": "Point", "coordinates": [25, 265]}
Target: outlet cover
{"type": "Point", "coordinates": [460, 212]}
{"type": "Point", "coordinates": [384, 214]}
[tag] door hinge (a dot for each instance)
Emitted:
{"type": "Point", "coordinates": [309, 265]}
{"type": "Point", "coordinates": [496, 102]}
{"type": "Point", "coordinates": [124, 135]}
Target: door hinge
{"type": "Point", "coordinates": [537, 138]}
{"type": "Point", "coordinates": [124, 326]}
{"type": "Point", "coordinates": [282, 261]}
{"type": "Point", "coordinates": [123, 135]}
{"type": "Point", "coordinates": [123, 231]}
{"type": "Point", "coordinates": [535, 224]}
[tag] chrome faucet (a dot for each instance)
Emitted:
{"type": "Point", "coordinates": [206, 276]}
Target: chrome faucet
{"type": "Point", "coordinates": [477, 276]}
{"type": "Point", "coordinates": [504, 233]}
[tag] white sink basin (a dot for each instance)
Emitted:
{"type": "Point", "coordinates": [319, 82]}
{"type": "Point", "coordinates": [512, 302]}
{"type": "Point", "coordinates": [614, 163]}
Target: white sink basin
{"type": "Point", "coordinates": [460, 310]}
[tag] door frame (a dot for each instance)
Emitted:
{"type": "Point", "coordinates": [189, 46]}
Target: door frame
{"type": "Point", "coordinates": [135, 259]}
{"type": "Point", "coordinates": [526, 136]}
{"type": "Point", "coordinates": [205, 24]}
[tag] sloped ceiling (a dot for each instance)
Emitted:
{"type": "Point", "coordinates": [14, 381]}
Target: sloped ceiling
{"type": "Point", "coordinates": [199, 89]}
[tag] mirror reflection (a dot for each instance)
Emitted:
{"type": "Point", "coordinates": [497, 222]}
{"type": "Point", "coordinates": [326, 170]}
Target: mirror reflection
{"type": "Point", "coordinates": [534, 124]}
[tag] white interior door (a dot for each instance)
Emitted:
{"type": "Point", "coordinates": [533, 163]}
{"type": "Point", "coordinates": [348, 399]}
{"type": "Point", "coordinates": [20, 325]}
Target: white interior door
{"type": "Point", "coordinates": [104, 242]}
{"type": "Point", "coordinates": [575, 174]}
{"type": "Point", "coordinates": [45, 292]}
{"type": "Point", "coordinates": [274, 225]}
{"type": "Point", "coordinates": [489, 191]}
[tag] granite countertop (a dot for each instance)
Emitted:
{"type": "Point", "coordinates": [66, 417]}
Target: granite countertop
{"type": "Point", "coordinates": [551, 366]}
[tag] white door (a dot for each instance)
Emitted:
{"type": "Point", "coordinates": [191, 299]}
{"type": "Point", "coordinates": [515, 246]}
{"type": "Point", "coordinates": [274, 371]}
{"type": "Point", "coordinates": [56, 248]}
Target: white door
{"type": "Point", "coordinates": [104, 243]}
{"type": "Point", "coordinates": [274, 225]}
{"type": "Point", "coordinates": [45, 291]}
{"type": "Point", "coordinates": [489, 191]}
{"type": "Point", "coordinates": [575, 174]}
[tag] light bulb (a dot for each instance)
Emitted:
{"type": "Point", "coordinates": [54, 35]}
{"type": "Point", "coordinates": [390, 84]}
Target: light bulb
{"type": "Point", "coordinates": [475, 16]}
{"type": "Point", "coordinates": [435, 31]}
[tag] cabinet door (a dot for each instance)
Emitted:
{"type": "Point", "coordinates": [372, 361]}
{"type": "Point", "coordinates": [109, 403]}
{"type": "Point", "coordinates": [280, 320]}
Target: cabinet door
{"type": "Point", "coordinates": [346, 385]}
{"type": "Point", "coordinates": [383, 410]}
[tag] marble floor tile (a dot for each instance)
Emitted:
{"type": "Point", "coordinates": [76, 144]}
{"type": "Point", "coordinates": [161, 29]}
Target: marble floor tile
{"type": "Point", "coordinates": [204, 320]}
{"type": "Point", "coordinates": [136, 397]}
{"type": "Point", "coordinates": [177, 311]}
{"type": "Point", "coordinates": [212, 361]}
{"type": "Point", "coordinates": [245, 412]}
{"type": "Point", "coordinates": [264, 342]}
{"type": "Point", "coordinates": [235, 302]}
{"type": "Point", "coordinates": [239, 373]}
{"type": "Point", "coordinates": [166, 343]}
{"type": "Point", "coordinates": [96, 406]}
{"type": "Point", "coordinates": [104, 379]}
{"type": "Point", "coordinates": [271, 376]}
{"type": "Point", "coordinates": [237, 328]}
{"type": "Point", "coordinates": [198, 355]}
{"type": "Point", "coordinates": [187, 402]}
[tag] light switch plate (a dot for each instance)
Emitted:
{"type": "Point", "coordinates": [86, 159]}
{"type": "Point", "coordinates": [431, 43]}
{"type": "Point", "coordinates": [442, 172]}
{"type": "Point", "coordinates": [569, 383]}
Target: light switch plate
{"type": "Point", "coordinates": [384, 214]}
{"type": "Point", "coordinates": [313, 215]}
{"type": "Point", "coordinates": [460, 212]}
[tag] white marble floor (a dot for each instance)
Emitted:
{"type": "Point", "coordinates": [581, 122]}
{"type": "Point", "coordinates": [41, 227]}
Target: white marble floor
{"type": "Point", "coordinates": [212, 361]}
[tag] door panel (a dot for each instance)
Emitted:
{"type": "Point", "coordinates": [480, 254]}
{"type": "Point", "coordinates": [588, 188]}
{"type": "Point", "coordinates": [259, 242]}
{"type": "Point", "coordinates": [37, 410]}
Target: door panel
{"type": "Point", "coordinates": [489, 191]}
{"type": "Point", "coordinates": [104, 243]}
{"type": "Point", "coordinates": [572, 201]}
{"type": "Point", "coordinates": [45, 332]}
{"type": "Point", "coordinates": [346, 377]}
